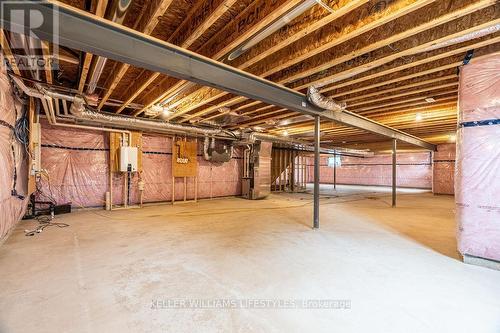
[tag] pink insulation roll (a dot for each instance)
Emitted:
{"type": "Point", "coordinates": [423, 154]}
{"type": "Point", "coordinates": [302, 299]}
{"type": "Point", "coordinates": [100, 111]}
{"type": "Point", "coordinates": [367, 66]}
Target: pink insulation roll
{"type": "Point", "coordinates": [12, 157]}
{"type": "Point", "coordinates": [477, 179]}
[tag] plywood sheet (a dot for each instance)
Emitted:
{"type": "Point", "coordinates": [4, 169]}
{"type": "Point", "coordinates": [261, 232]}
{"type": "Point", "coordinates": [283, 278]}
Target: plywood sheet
{"type": "Point", "coordinates": [184, 161]}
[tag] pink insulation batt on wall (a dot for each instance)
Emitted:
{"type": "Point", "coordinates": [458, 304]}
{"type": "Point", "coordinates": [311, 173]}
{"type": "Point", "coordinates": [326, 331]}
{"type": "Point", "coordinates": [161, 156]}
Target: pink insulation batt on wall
{"type": "Point", "coordinates": [413, 170]}
{"type": "Point", "coordinates": [12, 157]}
{"type": "Point", "coordinates": [77, 164]}
{"type": "Point", "coordinates": [477, 179]}
{"type": "Point", "coordinates": [443, 169]}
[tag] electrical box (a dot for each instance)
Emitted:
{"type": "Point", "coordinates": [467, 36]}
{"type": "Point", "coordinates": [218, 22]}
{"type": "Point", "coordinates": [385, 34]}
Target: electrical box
{"type": "Point", "coordinates": [128, 159]}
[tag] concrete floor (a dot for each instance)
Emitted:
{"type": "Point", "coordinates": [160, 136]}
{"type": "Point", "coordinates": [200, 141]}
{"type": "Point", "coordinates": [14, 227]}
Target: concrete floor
{"type": "Point", "coordinates": [397, 267]}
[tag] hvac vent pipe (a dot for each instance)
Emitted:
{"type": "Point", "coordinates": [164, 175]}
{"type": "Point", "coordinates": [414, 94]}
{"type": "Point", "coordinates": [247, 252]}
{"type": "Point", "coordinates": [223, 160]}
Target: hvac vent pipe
{"type": "Point", "coordinates": [316, 98]}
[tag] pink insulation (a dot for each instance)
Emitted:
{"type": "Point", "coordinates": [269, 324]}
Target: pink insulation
{"type": "Point", "coordinates": [77, 162]}
{"type": "Point", "coordinates": [413, 170]}
{"type": "Point", "coordinates": [11, 208]}
{"type": "Point", "coordinates": [443, 169]}
{"type": "Point", "coordinates": [477, 179]}
{"type": "Point", "coordinates": [77, 165]}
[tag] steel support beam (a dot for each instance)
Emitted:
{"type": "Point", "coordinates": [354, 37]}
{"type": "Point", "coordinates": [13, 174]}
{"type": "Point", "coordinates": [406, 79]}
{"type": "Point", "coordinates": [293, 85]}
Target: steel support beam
{"type": "Point", "coordinates": [89, 33]}
{"type": "Point", "coordinates": [317, 124]}
{"type": "Point", "coordinates": [394, 161]}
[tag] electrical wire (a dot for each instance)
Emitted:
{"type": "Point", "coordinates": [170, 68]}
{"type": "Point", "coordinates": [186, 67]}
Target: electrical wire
{"type": "Point", "coordinates": [44, 221]}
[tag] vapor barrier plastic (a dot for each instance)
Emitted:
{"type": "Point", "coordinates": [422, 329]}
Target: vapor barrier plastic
{"type": "Point", "coordinates": [77, 165]}
{"type": "Point", "coordinates": [413, 170]}
{"type": "Point", "coordinates": [477, 179]}
{"type": "Point", "coordinates": [76, 162]}
{"type": "Point", "coordinates": [11, 208]}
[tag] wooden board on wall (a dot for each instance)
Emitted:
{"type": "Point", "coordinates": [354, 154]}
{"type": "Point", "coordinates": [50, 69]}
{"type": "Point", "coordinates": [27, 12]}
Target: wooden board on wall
{"type": "Point", "coordinates": [186, 151]}
{"type": "Point", "coordinates": [114, 149]}
{"type": "Point", "coordinates": [32, 142]}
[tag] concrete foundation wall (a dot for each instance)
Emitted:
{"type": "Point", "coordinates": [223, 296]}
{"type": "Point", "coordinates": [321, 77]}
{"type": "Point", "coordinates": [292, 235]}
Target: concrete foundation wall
{"type": "Point", "coordinates": [77, 163]}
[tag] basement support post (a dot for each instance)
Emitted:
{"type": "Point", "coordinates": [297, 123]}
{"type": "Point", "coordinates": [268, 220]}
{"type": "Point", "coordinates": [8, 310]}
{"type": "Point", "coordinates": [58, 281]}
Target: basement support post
{"type": "Point", "coordinates": [334, 171]}
{"type": "Point", "coordinates": [394, 142]}
{"type": "Point", "coordinates": [316, 171]}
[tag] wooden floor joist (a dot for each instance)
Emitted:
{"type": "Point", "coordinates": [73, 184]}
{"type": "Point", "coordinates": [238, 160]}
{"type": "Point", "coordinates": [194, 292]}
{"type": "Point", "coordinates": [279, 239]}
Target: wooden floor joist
{"type": "Point", "coordinates": [393, 12]}
{"type": "Point", "coordinates": [242, 19]}
{"type": "Point", "coordinates": [349, 71]}
{"type": "Point", "coordinates": [87, 59]}
{"type": "Point", "coordinates": [144, 83]}
{"type": "Point", "coordinates": [384, 59]}
{"type": "Point", "coordinates": [146, 24]}
{"type": "Point", "coordinates": [408, 86]}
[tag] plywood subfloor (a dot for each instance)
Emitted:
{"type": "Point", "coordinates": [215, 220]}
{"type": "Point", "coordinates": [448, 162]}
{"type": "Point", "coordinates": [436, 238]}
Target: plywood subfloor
{"type": "Point", "coordinates": [397, 267]}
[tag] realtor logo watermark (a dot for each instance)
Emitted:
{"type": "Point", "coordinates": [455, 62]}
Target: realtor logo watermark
{"type": "Point", "coordinates": [232, 303]}
{"type": "Point", "coordinates": [25, 21]}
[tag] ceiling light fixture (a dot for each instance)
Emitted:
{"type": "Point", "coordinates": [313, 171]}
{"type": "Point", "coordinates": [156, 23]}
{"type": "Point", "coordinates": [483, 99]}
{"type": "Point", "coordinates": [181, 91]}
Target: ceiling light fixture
{"type": "Point", "coordinates": [418, 117]}
{"type": "Point", "coordinates": [430, 100]}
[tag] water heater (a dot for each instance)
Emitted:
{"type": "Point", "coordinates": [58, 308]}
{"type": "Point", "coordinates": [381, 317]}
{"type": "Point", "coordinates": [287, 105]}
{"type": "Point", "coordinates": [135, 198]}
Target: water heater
{"type": "Point", "coordinates": [128, 159]}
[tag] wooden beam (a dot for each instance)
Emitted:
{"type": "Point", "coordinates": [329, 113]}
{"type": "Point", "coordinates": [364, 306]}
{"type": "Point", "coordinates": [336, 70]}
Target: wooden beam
{"type": "Point", "coordinates": [411, 92]}
{"type": "Point", "coordinates": [137, 88]}
{"type": "Point", "coordinates": [395, 10]}
{"type": "Point", "coordinates": [85, 71]}
{"type": "Point", "coordinates": [424, 60]}
{"type": "Point", "coordinates": [436, 19]}
{"type": "Point", "coordinates": [389, 56]}
{"type": "Point", "coordinates": [398, 79]}
{"type": "Point", "coordinates": [47, 61]}
{"type": "Point", "coordinates": [207, 23]}
{"type": "Point", "coordinates": [87, 59]}
{"type": "Point", "coordinates": [336, 37]}
{"type": "Point", "coordinates": [424, 107]}
{"type": "Point", "coordinates": [419, 98]}
{"type": "Point", "coordinates": [239, 30]}
{"type": "Point", "coordinates": [7, 52]}
{"type": "Point", "coordinates": [146, 25]}
{"type": "Point", "coordinates": [408, 86]}
{"type": "Point", "coordinates": [480, 52]}
{"type": "Point", "coordinates": [345, 56]}
{"type": "Point", "coordinates": [418, 104]}
{"type": "Point", "coordinates": [203, 26]}
{"type": "Point", "coordinates": [341, 8]}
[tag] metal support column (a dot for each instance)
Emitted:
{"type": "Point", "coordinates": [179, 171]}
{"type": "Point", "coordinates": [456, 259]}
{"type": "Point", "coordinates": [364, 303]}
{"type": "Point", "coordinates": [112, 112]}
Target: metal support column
{"type": "Point", "coordinates": [394, 172]}
{"type": "Point", "coordinates": [334, 171]}
{"type": "Point", "coordinates": [316, 171]}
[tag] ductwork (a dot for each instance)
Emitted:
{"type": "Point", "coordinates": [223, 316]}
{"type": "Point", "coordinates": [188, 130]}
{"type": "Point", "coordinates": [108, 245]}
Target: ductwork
{"type": "Point", "coordinates": [206, 146]}
{"type": "Point", "coordinates": [467, 37]}
{"type": "Point", "coordinates": [211, 154]}
{"type": "Point", "coordinates": [316, 98]}
{"type": "Point", "coordinates": [80, 113]}
{"type": "Point", "coordinates": [254, 136]}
